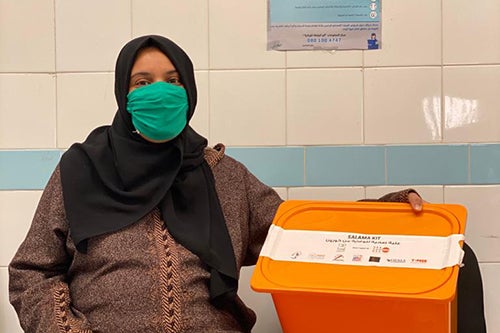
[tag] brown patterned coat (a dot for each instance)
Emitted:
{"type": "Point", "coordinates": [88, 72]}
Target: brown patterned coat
{"type": "Point", "coordinates": [138, 279]}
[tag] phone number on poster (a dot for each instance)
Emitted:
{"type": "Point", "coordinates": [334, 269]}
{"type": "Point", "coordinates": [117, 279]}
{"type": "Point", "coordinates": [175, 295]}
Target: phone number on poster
{"type": "Point", "coordinates": [323, 40]}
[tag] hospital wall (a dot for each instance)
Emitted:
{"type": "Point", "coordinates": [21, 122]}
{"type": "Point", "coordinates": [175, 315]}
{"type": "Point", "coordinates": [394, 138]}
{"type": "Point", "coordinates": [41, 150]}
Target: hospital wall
{"type": "Point", "coordinates": [421, 112]}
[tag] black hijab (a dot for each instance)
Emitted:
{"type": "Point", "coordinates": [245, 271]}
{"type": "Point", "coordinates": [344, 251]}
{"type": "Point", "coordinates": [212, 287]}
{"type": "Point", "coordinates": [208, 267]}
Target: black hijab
{"type": "Point", "coordinates": [115, 178]}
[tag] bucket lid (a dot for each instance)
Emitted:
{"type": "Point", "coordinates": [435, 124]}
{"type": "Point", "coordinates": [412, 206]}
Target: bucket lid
{"type": "Point", "coordinates": [376, 218]}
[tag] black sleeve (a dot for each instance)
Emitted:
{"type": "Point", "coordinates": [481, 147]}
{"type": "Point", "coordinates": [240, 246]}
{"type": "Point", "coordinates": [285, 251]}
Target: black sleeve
{"type": "Point", "coordinates": [470, 312]}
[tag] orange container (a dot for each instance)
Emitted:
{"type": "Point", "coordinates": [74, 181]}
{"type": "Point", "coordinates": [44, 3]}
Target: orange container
{"type": "Point", "coordinates": [323, 297]}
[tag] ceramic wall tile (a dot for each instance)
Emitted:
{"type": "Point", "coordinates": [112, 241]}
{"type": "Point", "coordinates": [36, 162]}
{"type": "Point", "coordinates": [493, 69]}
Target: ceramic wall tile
{"type": "Point", "coordinates": [200, 121]}
{"type": "Point", "coordinates": [274, 166]}
{"type": "Point", "coordinates": [261, 303]}
{"type": "Point", "coordinates": [324, 107]}
{"type": "Point", "coordinates": [326, 193]}
{"type": "Point", "coordinates": [238, 36]}
{"type": "Point", "coordinates": [485, 163]}
{"type": "Point", "coordinates": [282, 192]}
{"type": "Point", "coordinates": [27, 169]}
{"type": "Point", "coordinates": [402, 105]}
{"type": "Point", "coordinates": [490, 273]}
{"type": "Point", "coordinates": [411, 34]}
{"type": "Point", "coordinates": [27, 111]}
{"type": "Point", "coordinates": [471, 111]}
{"type": "Point", "coordinates": [345, 166]}
{"type": "Point", "coordinates": [324, 58]}
{"type": "Point", "coordinates": [427, 164]}
{"type": "Point", "coordinates": [9, 322]}
{"type": "Point", "coordinates": [16, 212]}
{"type": "Point", "coordinates": [90, 33]}
{"type": "Point", "coordinates": [27, 29]}
{"type": "Point", "coordinates": [483, 226]}
{"type": "Point", "coordinates": [247, 107]}
{"type": "Point", "coordinates": [84, 102]}
{"type": "Point", "coordinates": [470, 31]}
{"type": "Point", "coordinates": [184, 22]}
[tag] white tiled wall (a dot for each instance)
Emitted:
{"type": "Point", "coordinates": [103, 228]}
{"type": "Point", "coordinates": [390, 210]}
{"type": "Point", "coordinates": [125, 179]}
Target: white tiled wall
{"type": "Point", "coordinates": [324, 58]}
{"type": "Point", "coordinates": [470, 32]}
{"type": "Point", "coordinates": [247, 107]}
{"type": "Point", "coordinates": [411, 34]}
{"type": "Point", "coordinates": [403, 106]}
{"type": "Point", "coordinates": [83, 99]}
{"type": "Point", "coordinates": [326, 193]}
{"type": "Point", "coordinates": [89, 34]}
{"type": "Point", "coordinates": [22, 21]}
{"type": "Point", "coordinates": [471, 103]}
{"type": "Point", "coordinates": [16, 210]}
{"type": "Point", "coordinates": [435, 80]}
{"type": "Point", "coordinates": [201, 118]}
{"type": "Point", "coordinates": [37, 120]}
{"type": "Point", "coordinates": [312, 118]}
{"type": "Point", "coordinates": [8, 318]}
{"type": "Point", "coordinates": [185, 21]}
{"type": "Point", "coordinates": [237, 34]}
{"type": "Point", "coordinates": [483, 205]}
{"type": "Point", "coordinates": [491, 272]}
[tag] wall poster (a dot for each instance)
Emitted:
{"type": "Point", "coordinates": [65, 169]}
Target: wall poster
{"type": "Point", "coordinates": [324, 25]}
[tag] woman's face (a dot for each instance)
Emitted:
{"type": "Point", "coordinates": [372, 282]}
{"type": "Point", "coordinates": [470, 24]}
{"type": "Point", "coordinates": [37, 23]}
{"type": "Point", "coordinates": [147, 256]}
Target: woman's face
{"type": "Point", "coordinates": [151, 66]}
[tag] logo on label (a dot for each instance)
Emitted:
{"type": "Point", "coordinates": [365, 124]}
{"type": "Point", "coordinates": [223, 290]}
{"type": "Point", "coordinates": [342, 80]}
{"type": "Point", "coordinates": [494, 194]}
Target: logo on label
{"type": "Point", "coordinates": [338, 257]}
{"type": "Point", "coordinates": [316, 256]}
{"type": "Point", "coordinates": [396, 260]}
{"type": "Point", "coordinates": [357, 257]}
{"type": "Point", "coordinates": [385, 249]}
{"type": "Point", "coordinates": [341, 247]}
{"type": "Point", "coordinates": [374, 259]}
{"type": "Point", "coordinates": [419, 261]}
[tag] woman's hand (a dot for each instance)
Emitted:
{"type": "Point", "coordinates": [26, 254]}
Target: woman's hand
{"type": "Point", "coordinates": [408, 196]}
{"type": "Point", "coordinates": [415, 201]}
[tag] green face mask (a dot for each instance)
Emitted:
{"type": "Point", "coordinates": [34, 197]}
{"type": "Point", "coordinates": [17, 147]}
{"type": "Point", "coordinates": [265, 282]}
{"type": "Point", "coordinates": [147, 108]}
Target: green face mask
{"type": "Point", "coordinates": [159, 110]}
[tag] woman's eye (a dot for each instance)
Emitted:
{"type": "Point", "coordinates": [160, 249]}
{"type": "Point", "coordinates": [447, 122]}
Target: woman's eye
{"type": "Point", "coordinates": [174, 80]}
{"type": "Point", "coordinates": [142, 83]}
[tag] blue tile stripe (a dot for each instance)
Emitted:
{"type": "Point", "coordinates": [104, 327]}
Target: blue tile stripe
{"type": "Point", "coordinates": [485, 164]}
{"type": "Point", "coordinates": [457, 164]}
{"type": "Point", "coordinates": [357, 165]}
{"type": "Point", "coordinates": [274, 166]}
{"type": "Point", "coordinates": [427, 165]}
{"type": "Point", "coordinates": [27, 170]}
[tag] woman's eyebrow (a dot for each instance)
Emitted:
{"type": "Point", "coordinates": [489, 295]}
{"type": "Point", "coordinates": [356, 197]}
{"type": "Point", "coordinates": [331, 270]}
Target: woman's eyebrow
{"type": "Point", "coordinates": [140, 74]}
{"type": "Point", "coordinates": [171, 72]}
{"type": "Point", "coordinates": [147, 74]}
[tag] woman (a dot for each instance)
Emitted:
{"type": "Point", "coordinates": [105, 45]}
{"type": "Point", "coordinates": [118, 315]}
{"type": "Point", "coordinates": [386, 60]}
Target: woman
{"type": "Point", "coordinates": [143, 228]}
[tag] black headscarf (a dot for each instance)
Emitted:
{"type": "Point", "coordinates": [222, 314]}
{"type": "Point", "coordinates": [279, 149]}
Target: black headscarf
{"type": "Point", "coordinates": [115, 178]}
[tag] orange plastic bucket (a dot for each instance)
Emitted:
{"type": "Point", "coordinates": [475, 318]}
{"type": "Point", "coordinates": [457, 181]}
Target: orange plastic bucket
{"type": "Point", "coordinates": [319, 297]}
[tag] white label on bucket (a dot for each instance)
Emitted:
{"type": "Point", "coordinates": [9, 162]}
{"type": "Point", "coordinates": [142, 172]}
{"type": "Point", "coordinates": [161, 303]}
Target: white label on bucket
{"type": "Point", "coordinates": [344, 248]}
